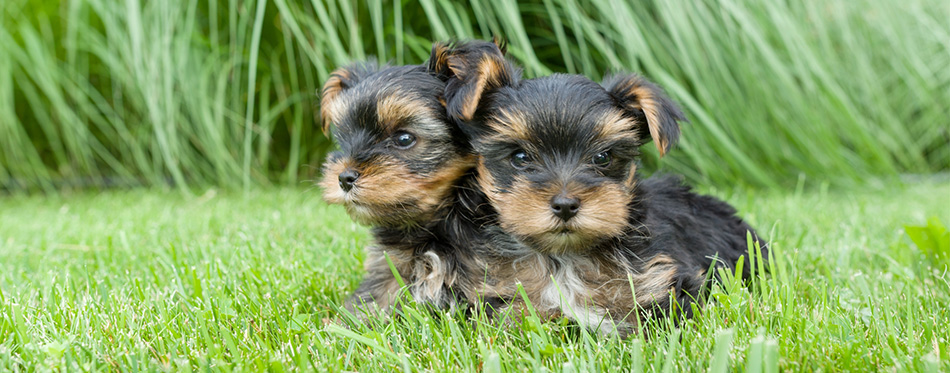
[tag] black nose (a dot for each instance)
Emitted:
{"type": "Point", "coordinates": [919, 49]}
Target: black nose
{"type": "Point", "coordinates": [348, 178]}
{"type": "Point", "coordinates": [565, 207]}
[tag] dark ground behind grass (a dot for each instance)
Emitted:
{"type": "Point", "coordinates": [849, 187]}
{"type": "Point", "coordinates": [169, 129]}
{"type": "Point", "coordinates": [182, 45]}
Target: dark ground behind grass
{"type": "Point", "coordinates": [151, 279]}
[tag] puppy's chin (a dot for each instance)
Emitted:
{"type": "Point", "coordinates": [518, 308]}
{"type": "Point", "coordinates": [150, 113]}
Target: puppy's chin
{"type": "Point", "coordinates": [386, 216]}
{"type": "Point", "coordinates": [564, 242]}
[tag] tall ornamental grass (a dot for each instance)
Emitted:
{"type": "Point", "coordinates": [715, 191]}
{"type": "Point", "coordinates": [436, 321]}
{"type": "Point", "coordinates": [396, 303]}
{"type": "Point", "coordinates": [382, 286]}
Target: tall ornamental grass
{"type": "Point", "coordinates": [97, 93]}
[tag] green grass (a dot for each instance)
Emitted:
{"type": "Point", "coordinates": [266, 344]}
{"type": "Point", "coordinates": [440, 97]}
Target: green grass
{"type": "Point", "coordinates": [157, 280]}
{"type": "Point", "coordinates": [196, 93]}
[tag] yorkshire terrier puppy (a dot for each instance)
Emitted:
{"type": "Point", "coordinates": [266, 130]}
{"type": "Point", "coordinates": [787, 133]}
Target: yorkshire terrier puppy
{"type": "Point", "coordinates": [406, 171]}
{"type": "Point", "coordinates": [584, 235]}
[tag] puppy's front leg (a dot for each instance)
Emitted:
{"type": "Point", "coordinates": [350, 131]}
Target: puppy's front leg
{"type": "Point", "coordinates": [380, 288]}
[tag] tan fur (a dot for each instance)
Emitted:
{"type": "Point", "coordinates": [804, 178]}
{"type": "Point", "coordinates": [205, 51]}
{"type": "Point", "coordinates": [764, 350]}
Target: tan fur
{"type": "Point", "coordinates": [430, 274]}
{"type": "Point", "coordinates": [471, 103]}
{"type": "Point", "coordinates": [651, 111]}
{"type": "Point", "coordinates": [655, 279]}
{"type": "Point", "coordinates": [490, 72]}
{"type": "Point", "coordinates": [526, 211]}
{"type": "Point", "coordinates": [631, 180]}
{"type": "Point", "coordinates": [331, 187]}
{"type": "Point", "coordinates": [395, 108]}
{"type": "Point", "coordinates": [509, 125]}
{"type": "Point", "coordinates": [329, 97]}
{"type": "Point", "coordinates": [646, 101]}
{"type": "Point", "coordinates": [613, 124]}
{"type": "Point", "coordinates": [388, 184]}
{"type": "Point", "coordinates": [603, 210]}
{"type": "Point", "coordinates": [439, 57]}
{"type": "Point", "coordinates": [439, 184]}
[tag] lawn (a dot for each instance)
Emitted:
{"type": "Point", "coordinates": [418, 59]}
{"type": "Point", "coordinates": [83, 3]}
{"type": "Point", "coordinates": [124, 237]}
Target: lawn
{"type": "Point", "coordinates": [137, 280]}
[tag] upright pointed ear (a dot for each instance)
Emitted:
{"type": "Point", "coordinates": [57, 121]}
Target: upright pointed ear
{"type": "Point", "coordinates": [648, 103]}
{"type": "Point", "coordinates": [340, 80]}
{"type": "Point", "coordinates": [470, 70]}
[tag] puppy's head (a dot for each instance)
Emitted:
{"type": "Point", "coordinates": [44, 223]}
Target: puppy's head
{"type": "Point", "coordinates": [399, 157]}
{"type": "Point", "coordinates": [558, 154]}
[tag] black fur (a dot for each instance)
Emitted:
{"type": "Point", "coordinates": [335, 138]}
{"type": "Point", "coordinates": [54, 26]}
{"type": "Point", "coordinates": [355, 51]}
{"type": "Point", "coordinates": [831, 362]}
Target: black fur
{"type": "Point", "coordinates": [699, 232]}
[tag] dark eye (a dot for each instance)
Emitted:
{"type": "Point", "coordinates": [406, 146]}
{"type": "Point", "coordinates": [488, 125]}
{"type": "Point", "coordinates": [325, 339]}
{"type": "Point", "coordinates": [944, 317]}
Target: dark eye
{"type": "Point", "coordinates": [520, 160]}
{"type": "Point", "coordinates": [602, 159]}
{"type": "Point", "coordinates": [404, 140]}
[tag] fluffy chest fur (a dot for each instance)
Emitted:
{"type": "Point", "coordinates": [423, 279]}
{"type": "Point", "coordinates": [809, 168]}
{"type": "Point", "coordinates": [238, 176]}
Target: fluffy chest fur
{"type": "Point", "coordinates": [603, 292]}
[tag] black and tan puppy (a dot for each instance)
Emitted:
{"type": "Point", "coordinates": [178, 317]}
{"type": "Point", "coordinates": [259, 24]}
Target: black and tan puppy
{"type": "Point", "coordinates": [403, 169]}
{"type": "Point", "coordinates": [585, 236]}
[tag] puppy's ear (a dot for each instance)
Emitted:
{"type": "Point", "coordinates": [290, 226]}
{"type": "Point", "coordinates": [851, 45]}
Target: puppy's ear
{"type": "Point", "coordinates": [438, 64]}
{"type": "Point", "coordinates": [471, 70]}
{"type": "Point", "coordinates": [340, 80]}
{"type": "Point", "coordinates": [648, 103]}
{"type": "Point", "coordinates": [501, 43]}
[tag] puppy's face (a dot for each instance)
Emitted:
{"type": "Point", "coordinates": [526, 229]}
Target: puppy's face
{"type": "Point", "coordinates": [558, 162]}
{"type": "Point", "coordinates": [398, 157]}
{"type": "Point", "coordinates": [558, 155]}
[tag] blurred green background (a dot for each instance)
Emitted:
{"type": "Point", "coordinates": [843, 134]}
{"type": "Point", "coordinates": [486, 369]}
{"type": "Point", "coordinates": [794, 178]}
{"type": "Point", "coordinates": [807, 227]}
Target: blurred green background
{"type": "Point", "coordinates": [99, 93]}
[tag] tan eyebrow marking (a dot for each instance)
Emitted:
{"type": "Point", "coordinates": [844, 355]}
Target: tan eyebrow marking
{"type": "Point", "coordinates": [394, 108]}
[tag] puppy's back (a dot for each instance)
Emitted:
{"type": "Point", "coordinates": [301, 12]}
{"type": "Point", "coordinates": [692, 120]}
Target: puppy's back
{"type": "Point", "coordinates": [694, 229]}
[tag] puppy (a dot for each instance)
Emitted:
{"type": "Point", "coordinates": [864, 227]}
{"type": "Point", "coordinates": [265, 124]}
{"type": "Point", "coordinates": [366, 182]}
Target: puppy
{"type": "Point", "coordinates": [577, 227]}
{"type": "Point", "coordinates": [404, 170]}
